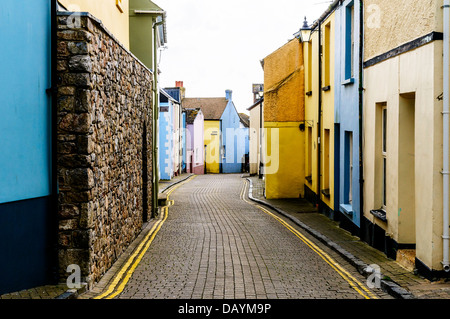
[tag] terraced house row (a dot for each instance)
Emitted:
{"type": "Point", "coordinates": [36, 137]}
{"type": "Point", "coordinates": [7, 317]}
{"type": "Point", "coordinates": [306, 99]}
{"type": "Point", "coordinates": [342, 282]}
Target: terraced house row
{"type": "Point", "coordinates": [88, 133]}
{"type": "Point", "coordinates": [355, 117]}
{"type": "Point", "coordinates": [78, 175]}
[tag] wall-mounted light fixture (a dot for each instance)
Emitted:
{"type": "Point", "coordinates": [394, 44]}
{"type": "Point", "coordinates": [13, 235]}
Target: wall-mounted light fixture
{"type": "Point", "coordinates": [305, 32]}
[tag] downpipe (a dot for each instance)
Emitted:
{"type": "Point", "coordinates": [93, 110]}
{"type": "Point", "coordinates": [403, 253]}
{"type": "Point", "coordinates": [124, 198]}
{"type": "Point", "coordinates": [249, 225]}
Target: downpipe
{"type": "Point", "coordinates": [446, 172]}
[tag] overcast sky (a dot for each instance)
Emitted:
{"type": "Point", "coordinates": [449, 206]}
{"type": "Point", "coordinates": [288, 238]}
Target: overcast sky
{"type": "Point", "coordinates": [218, 45]}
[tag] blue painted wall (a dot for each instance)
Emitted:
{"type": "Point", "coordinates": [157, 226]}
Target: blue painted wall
{"type": "Point", "coordinates": [165, 124]}
{"type": "Point", "coordinates": [347, 109]}
{"type": "Point", "coordinates": [27, 232]}
{"type": "Point", "coordinates": [233, 140]}
{"type": "Point", "coordinates": [25, 121]}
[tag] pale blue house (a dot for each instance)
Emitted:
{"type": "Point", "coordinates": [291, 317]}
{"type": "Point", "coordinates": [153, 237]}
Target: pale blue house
{"type": "Point", "coordinates": [28, 190]}
{"type": "Point", "coordinates": [348, 115]}
{"type": "Point", "coordinates": [234, 138]}
{"type": "Point", "coordinates": [166, 135]}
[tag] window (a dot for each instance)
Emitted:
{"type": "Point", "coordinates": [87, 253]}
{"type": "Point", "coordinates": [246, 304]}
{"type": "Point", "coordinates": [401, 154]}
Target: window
{"type": "Point", "coordinates": [326, 162]}
{"type": "Point", "coordinates": [309, 67]}
{"type": "Point", "coordinates": [349, 41]}
{"type": "Point", "coordinates": [348, 182]}
{"type": "Point", "coordinates": [310, 155]}
{"type": "Point", "coordinates": [384, 153]}
{"type": "Point", "coordinates": [327, 57]}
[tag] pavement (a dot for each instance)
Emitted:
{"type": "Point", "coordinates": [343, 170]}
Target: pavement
{"type": "Point", "coordinates": [397, 281]}
{"type": "Point", "coordinates": [61, 291]}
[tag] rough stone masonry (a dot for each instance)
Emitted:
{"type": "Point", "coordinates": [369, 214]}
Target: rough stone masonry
{"type": "Point", "coordinates": [104, 129]}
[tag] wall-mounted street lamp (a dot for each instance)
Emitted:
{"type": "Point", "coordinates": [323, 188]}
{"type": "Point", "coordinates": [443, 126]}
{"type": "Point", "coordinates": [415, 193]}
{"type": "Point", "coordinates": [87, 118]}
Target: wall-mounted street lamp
{"type": "Point", "coordinates": [305, 32]}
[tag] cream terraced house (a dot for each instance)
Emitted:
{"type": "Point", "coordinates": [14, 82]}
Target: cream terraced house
{"type": "Point", "coordinates": [403, 132]}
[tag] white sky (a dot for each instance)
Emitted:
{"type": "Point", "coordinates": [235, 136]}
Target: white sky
{"type": "Point", "coordinates": [218, 45]}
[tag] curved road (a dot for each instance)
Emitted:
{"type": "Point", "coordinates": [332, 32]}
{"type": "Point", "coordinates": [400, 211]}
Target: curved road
{"type": "Point", "coordinates": [216, 244]}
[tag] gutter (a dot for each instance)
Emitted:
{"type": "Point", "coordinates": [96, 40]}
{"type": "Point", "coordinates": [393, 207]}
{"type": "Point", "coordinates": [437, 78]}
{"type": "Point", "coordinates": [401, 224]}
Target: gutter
{"type": "Point", "coordinates": [161, 13]}
{"type": "Point", "coordinates": [324, 15]}
{"type": "Point", "coordinates": [445, 113]}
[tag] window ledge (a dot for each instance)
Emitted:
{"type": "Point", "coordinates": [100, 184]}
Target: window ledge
{"type": "Point", "coordinates": [380, 214]}
{"type": "Point", "coordinates": [326, 192]}
{"type": "Point", "coordinates": [348, 81]}
{"type": "Point", "coordinates": [346, 209]}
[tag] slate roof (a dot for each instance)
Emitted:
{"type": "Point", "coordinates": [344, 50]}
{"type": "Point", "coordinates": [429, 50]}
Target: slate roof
{"type": "Point", "coordinates": [191, 115]}
{"type": "Point", "coordinates": [212, 108]}
{"type": "Point", "coordinates": [245, 119]}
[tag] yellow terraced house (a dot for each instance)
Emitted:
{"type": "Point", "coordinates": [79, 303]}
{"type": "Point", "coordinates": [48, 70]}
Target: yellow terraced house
{"type": "Point", "coordinates": [212, 109]}
{"type": "Point", "coordinates": [327, 107]}
{"type": "Point", "coordinates": [212, 146]}
{"type": "Point", "coordinates": [284, 140]}
{"type": "Point", "coordinates": [319, 114]}
{"type": "Point", "coordinates": [112, 13]}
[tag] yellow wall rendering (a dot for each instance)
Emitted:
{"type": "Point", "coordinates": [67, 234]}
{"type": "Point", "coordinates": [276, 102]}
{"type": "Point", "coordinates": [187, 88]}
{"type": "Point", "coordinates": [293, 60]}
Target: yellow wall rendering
{"type": "Point", "coordinates": [112, 13]}
{"type": "Point", "coordinates": [284, 111]}
{"type": "Point", "coordinates": [212, 142]}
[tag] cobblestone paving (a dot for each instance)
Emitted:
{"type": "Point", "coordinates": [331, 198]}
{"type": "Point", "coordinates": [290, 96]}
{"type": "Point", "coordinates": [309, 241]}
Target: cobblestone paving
{"type": "Point", "coordinates": [215, 245]}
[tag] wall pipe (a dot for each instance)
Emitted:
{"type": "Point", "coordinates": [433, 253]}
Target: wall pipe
{"type": "Point", "coordinates": [446, 172]}
{"type": "Point", "coordinates": [360, 120]}
{"type": "Point", "coordinates": [155, 159]}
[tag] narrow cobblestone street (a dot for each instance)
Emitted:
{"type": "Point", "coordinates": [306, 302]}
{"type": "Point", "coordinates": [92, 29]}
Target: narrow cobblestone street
{"type": "Point", "coordinates": [215, 244]}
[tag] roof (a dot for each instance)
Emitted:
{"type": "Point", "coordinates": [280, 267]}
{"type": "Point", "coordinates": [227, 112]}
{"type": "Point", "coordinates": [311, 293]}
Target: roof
{"type": "Point", "coordinates": [256, 104]}
{"type": "Point", "coordinates": [174, 93]}
{"type": "Point", "coordinates": [191, 115]}
{"type": "Point", "coordinates": [212, 108]}
{"type": "Point", "coordinates": [164, 97]}
{"type": "Point", "coordinates": [245, 119]}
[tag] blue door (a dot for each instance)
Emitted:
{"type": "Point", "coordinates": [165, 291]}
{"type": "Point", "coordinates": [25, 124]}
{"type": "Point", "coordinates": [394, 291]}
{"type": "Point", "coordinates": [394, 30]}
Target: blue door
{"type": "Point", "coordinates": [26, 244]}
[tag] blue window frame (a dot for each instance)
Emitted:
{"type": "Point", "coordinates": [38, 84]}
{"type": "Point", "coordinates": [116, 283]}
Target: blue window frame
{"type": "Point", "coordinates": [349, 40]}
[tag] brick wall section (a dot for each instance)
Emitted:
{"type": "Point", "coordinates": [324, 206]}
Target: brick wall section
{"type": "Point", "coordinates": [104, 102]}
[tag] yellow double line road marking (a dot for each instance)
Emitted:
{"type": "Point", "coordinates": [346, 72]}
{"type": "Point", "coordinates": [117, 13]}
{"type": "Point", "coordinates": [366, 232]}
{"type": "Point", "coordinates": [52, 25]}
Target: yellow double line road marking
{"type": "Point", "coordinates": [115, 288]}
{"type": "Point", "coordinates": [354, 283]}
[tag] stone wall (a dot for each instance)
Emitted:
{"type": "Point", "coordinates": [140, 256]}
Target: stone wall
{"type": "Point", "coordinates": [104, 111]}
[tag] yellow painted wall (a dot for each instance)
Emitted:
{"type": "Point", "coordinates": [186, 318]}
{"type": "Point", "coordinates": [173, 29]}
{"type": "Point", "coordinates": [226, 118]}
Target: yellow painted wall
{"type": "Point", "coordinates": [328, 63]}
{"type": "Point", "coordinates": [212, 142]}
{"type": "Point", "coordinates": [284, 84]}
{"type": "Point", "coordinates": [112, 13]}
{"type": "Point", "coordinates": [311, 58]}
{"type": "Point", "coordinates": [283, 113]}
{"type": "Point", "coordinates": [284, 164]}
{"type": "Point", "coordinates": [414, 209]}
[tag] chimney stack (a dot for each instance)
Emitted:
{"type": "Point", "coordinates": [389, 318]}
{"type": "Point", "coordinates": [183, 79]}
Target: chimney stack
{"type": "Point", "coordinates": [229, 95]}
{"type": "Point", "coordinates": [179, 84]}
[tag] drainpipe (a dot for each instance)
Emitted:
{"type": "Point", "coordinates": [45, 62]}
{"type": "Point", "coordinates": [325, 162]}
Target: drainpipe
{"type": "Point", "coordinates": [361, 110]}
{"type": "Point", "coordinates": [155, 115]}
{"type": "Point", "coordinates": [319, 125]}
{"type": "Point", "coordinates": [445, 235]}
